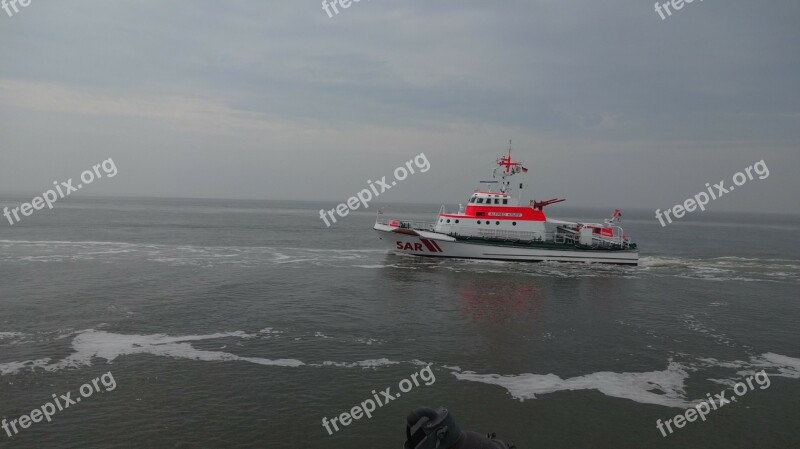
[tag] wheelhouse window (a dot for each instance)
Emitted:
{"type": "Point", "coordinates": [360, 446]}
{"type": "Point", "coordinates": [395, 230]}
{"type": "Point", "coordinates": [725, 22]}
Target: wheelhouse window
{"type": "Point", "coordinates": [505, 200]}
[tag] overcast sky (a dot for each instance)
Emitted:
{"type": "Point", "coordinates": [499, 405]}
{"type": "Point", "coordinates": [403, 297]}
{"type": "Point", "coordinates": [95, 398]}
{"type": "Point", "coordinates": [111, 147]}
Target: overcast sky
{"type": "Point", "coordinates": [607, 104]}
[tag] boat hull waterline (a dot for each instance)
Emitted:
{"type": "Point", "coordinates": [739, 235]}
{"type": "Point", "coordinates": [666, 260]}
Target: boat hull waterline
{"type": "Point", "coordinates": [430, 244]}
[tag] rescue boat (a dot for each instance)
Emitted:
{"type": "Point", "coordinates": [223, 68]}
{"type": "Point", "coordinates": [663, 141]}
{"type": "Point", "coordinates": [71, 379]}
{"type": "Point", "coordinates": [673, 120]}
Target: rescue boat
{"type": "Point", "coordinates": [495, 226]}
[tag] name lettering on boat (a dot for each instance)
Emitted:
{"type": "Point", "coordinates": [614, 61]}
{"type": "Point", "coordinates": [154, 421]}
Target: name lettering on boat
{"type": "Point", "coordinates": [505, 214]}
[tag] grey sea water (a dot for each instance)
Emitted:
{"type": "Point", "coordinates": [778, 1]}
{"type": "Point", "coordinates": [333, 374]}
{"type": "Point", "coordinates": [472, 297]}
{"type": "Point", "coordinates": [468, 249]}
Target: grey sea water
{"type": "Point", "coordinates": [244, 323]}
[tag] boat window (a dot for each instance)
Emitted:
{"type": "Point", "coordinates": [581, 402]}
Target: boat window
{"type": "Point", "coordinates": [448, 220]}
{"type": "Point", "coordinates": [479, 222]}
{"type": "Point", "coordinates": [505, 200]}
{"type": "Point", "coordinates": [472, 200]}
{"type": "Point", "coordinates": [513, 223]}
{"type": "Point", "coordinates": [480, 200]}
{"type": "Point", "coordinates": [456, 221]}
{"type": "Point", "coordinates": [497, 223]}
{"type": "Point", "coordinates": [496, 201]}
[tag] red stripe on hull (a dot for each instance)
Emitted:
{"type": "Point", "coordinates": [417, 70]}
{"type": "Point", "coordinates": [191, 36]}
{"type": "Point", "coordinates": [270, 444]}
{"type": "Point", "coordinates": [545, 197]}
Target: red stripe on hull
{"type": "Point", "coordinates": [428, 245]}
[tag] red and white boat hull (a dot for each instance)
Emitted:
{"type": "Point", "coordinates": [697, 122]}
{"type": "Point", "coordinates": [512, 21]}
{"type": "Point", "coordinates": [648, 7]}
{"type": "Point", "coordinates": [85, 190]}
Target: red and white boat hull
{"type": "Point", "coordinates": [430, 244]}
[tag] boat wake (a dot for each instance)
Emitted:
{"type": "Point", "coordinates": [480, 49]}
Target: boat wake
{"type": "Point", "coordinates": [31, 252]}
{"type": "Point", "coordinates": [724, 269]}
{"type": "Point", "coordinates": [716, 269]}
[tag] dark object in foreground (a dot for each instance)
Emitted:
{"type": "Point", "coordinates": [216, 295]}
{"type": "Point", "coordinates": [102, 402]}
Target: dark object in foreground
{"type": "Point", "coordinates": [427, 428]}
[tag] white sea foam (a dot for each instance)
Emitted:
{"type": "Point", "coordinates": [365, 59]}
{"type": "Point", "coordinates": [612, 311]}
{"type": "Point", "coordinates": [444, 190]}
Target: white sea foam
{"type": "Point", "coordinates": [654, 387]}
{"type": "Point", "coordinates": [695, 325]}
{"type": "Point", "coordinates": [10, 334]}
{"type": "Point", "coordinates": [372, 363]}
{"type": "Point", "coordinates": [419, 362]}
{"type": "Point", "coordinates": [16, 367]}
{"type": "Point", "coordinates": [90, 345]}
{"type": "Point", "coordinates": [375, 363]}
{"type": "Point", "coordinates": [710, 361]}
{"type": "Point", "coordinates": [654, 262]}
{"type": "Point", "coordinates": [93, 344]}
{"type": "Point", "coordinates": [785, 365]}
{"type": "Point", "coordinates": [723, 268]}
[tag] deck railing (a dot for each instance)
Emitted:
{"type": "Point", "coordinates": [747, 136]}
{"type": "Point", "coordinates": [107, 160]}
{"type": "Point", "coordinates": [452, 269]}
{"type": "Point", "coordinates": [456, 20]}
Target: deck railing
{"type": "Point", "coordinates": [406, 224]}
{"type": "Point", "coordinates": [506, 234]}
